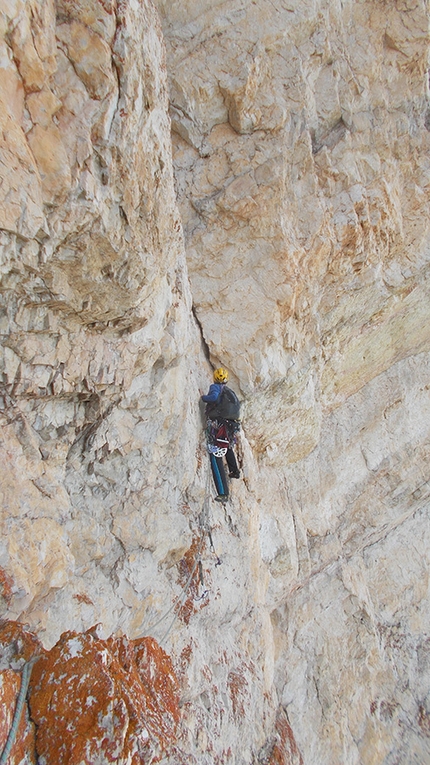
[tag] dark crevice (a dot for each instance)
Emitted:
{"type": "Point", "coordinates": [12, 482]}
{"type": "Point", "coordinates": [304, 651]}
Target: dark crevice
{"type": "Point", "coordinates": [206, 350]}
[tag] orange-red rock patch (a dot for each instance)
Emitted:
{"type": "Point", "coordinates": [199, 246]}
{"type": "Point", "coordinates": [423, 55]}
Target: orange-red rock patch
{"type": "Point", "coordinates": [285, 750]}
{"type": "Point", "coordinates": [23, 749]}
{"type": "Point", "coordinates": [17, 642]}
{"type": "Point", "coordinates": [104, 700]}
{"type": "Point", "coordinates": [6, 585]}
{"type": "Point", "coordinates": [92, 700]}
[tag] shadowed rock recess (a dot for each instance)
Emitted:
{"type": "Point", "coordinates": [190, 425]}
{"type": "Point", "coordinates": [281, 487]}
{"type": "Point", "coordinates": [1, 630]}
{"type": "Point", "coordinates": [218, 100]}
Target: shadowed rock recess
{"type": "Point", "coordinates": [183, 184]}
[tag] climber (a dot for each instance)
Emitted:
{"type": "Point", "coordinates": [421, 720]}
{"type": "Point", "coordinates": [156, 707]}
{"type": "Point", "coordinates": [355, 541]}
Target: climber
{"type": "Point", "coordinates": [222, 415]}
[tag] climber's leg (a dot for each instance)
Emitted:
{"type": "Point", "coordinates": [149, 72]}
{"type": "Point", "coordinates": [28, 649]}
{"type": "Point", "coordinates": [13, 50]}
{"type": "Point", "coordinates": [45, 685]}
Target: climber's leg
{"type": "Point", "coordinates": [218, 474]}
{"type": "Point", "coordinates": [233, 469]}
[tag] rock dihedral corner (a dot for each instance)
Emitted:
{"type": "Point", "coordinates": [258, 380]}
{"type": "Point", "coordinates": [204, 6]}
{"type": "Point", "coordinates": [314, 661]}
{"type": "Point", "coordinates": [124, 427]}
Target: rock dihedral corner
{"type": "Point", "coordinates": [301, 161]}
{"type": "Point", "coordinates": [104, 470]}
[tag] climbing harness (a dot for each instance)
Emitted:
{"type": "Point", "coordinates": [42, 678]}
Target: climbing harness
{"type": "Point", "coordinates": [221, 437]}
{"type": "Point", "coordinates": [25, 680]}
{"type": "Point", "coordinates": [221, 434]}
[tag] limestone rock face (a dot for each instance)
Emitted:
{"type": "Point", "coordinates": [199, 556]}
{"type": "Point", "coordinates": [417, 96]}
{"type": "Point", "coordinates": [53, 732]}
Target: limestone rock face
{"type": "Point", "coordinates": [105, 487]}
{"type": "Point", "coordinates": [301, 162]}
{"type": "Point", "coordinates": [301, 154]}
{"type": "Point", "coordinates": [95, 302]}
{"type": "Point", "coordinates": [288, 240]}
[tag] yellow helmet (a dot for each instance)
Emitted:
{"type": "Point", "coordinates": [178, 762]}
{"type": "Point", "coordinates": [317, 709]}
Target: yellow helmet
{"type": "Point", "coordinates": [220, 375]}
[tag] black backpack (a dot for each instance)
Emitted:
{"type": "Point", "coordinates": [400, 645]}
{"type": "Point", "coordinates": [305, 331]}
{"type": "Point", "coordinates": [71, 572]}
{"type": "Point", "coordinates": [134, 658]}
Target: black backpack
{"type": "Point", "coordinates": [227, 407]}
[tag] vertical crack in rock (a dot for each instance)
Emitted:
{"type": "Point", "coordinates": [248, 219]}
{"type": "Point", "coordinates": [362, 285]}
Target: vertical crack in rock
{"type": "Point", "coordinates": [205, 346]}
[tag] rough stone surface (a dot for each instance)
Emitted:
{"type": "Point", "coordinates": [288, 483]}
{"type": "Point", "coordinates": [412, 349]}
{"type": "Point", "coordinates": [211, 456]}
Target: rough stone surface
{"type": "Point", "coordinates": [17, 646]}
{"type": "Point", "coordinates": [91, 700]}
{"type": "Point", "coordinates": [23, 749]}
{"type": "Point", "coordinates": [301, 159]}
{"type": "Point", "coordinates": [119, 702]}
{"type": "Point", "coordinates": [95, 312]}
{"type": "Point", "coordinates": [288, 240]}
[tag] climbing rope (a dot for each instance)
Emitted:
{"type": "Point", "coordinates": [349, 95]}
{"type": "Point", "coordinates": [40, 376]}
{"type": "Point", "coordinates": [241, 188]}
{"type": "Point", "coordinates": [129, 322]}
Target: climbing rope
{"type": "Point", "coordinates": [181, 600]}
{"type": "Point", "coordinates": [204, 521]}
{"type": "Point", "coordinates": [25, 680]}
{"type": "Point", "coordinates": [205, 528]}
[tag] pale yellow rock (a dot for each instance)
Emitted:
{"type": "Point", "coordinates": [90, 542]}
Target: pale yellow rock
{"type": "Point", "coordinates": [21, 190]}
{"type": "Point", "coordinates": [329, 187]}
{"type": "Point", "coordinates": [52, 161]}
{"type": "Point", "coordinates": [42, 106]}
{"type": "Point", "coordinates": [12, 90]}
{"type": "Point", "coordinates": [33, 43]}
{"type": "Point", "coordinates": [29, 544]}
{"type": "Point", "coordinates": [306, 225]}
{"type": "Point", "coordinates": [90, 56]}
{"type": "Point", "coordinates": [402, 329]}
{"type": "Point", "coordinates": [97, 16]}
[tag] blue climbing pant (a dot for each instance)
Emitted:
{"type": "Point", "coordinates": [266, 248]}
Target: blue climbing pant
{"type": "Point", "coordinates": [218, 473]}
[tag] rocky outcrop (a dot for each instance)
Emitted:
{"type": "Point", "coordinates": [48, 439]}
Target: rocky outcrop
{"type": "Point", "coordinates": [300, 144]}
{"type": "Point", "coordinates": [91, 700]}
{"type": "Point", "coordinates": [105, 489]}
{"type": "Point", "coordinates": [299, 148]}
{"type": "Point", "coordinates": [288, 240]}
{"type": "Point", "coordinates": [119, 704]}
{"type": "Point", "coordinates": [96, 302]}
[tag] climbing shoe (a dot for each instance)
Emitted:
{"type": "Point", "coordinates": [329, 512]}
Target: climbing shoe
{"type": "Point", "coordinates": [221, 498]}
{"type": "Point", "coordinates": [235, 474]}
